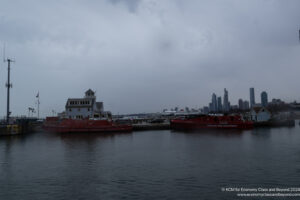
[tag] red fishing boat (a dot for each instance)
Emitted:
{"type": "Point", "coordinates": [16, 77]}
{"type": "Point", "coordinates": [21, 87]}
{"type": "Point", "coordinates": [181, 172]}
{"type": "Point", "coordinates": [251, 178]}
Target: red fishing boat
{"type": "Point", "coordinates": [55, 124]}
{"type": "Point", "coordinates": [210, 121]}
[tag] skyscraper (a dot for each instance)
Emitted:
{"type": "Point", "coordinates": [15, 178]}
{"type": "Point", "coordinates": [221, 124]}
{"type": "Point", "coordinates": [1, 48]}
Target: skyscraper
{"type": "Point", "coordinates": [264, 99]}
{"type": "Point", "coordinates": [210, 107]}
{"type": "Point", "coordinates": [246, 105]}
{"type": "Point", "coordinates": [252, 97]}
{"type": "Point", "coordinates": [219, 107]}
{"type": "Point", "coordinates": [214, 102]}
{"type": "Point", "coordinates": [225, 101]}
{"type": "Point", "coordinates": [205, 110]}
{"type": "Point", "coordinates": [241, 104]}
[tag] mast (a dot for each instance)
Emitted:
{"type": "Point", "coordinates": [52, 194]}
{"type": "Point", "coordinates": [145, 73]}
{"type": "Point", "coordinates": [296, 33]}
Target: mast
{"type": "Point", "coordinates": [8, 85]}
{"type": "Point", "coordinates": [38, 104]}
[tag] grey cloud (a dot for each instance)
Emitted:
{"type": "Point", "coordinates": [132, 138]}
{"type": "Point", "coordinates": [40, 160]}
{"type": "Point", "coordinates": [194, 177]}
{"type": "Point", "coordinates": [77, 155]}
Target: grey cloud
{"type": "Point", "coordinates": [143, 56]}
{"type": "Point", "coordinates": [131, 4]}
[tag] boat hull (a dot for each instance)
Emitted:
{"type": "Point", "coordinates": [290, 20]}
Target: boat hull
{"type": "Point", "coordinates": [211, 122]}
{"type": "Point", "coordinates": [83, 126]}
{"type": "Point", "coordinates": [20, 126]}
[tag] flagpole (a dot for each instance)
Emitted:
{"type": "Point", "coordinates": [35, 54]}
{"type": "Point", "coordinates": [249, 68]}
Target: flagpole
{"type": "Point", "coordinates": [39, 107]}
{"type": "Point", "coordinates": [38, 103]}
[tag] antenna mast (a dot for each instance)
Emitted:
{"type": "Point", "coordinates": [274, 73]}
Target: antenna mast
{"type": "Point", "coordinates": [8, 84]}
{"type": "Point", "coordinates": [38, 104]}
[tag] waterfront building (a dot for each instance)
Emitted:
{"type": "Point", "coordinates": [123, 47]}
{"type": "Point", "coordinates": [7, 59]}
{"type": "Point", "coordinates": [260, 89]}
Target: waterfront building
{"type": "Point", "coordinates": [86, 107]}
{"type": "Point", "coordinates": [264, 99]}
{"type": "Point", "coordinates": [214, 102]}
{"type": "Point", "coordinates": [252, 97]}
{"type": "Point", "coordinates": [234, 107]}
{"type": "Point", "coordinates": [246, 105]}
{"type": "Point", "coordinates": [168, 112]}
{"type": "Point", "coordinates": [241, 104]}
{"type": "Point", "coordinates": [194, 110]}
{"type": "Point", "coordinates": [260, 114]}
{"type": "Point", "coordinates": [226, 104]}
{"type": "Point", "coordinates": [210, 107]}
{"type": "Point", "coordinates": [187, 109]}
{"type": "Point", "coordinates": [205, 110]}
{"type": "Point", "coordinates": [219, 104]}
{"type": "Point", "coordinates": [277, 101]}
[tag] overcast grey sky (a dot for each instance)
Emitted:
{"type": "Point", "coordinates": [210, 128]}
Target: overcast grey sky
{"type": "Point", "coordinates": [146, 55]}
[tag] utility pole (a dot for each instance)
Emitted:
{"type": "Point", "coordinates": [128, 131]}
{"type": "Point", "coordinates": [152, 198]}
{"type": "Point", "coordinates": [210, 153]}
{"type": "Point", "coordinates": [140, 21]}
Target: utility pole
{"type": "Point", "coordinates": [8, 85]}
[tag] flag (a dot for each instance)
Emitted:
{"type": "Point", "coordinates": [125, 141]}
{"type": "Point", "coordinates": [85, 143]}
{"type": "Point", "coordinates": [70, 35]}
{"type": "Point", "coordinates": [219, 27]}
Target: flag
{"type": "Point", "coordinates": [38, 94]}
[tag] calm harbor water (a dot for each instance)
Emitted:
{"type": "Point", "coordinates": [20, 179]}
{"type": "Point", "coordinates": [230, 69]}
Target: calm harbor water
{"type": "Point", "coordinates": [148, 165]}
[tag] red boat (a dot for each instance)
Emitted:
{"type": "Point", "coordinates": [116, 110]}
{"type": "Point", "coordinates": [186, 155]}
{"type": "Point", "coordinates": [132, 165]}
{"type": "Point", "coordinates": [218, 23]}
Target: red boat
{"type": "Point", "coordinates": [208, 121]}
{"type": "Point", "coordinates": [55, 124]}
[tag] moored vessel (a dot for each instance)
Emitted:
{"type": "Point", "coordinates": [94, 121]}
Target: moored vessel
{"type": "Point", "coordinates": [55, 124]}
{"type": "Point", "coordinates": [84, 115]}
{"type": "Point", "coordinates": [211, 121]}
{"type": "Point", "coordinates": [18, 126]}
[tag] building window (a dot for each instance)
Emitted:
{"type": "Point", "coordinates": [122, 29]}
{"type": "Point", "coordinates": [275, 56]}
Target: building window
{"type": "Point", "coordinates": [88, 109]}
{"type": "Point", "coordinates": [78, 109]}
{"type": "Point", "coordinates": [70, 110]}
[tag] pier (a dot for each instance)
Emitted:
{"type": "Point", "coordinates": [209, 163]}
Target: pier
{"type": "Point", "coordinates": [150, 126]}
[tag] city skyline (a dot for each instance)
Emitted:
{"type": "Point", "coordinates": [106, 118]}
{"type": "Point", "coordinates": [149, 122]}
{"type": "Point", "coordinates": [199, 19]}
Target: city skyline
{"type": "Point", "coordinates": [242, 103]}
{"type": "Point", "coordinates": [215, 105]}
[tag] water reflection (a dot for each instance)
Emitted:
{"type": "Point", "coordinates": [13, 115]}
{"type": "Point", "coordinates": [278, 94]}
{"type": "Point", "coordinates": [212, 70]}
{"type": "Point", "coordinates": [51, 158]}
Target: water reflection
{"type": "Point", "coordinates": [212, 132]}
{"type": "Point", "coordinates": [91, 136]}
{"type": "Point", "coordinates": [147, 165]}
{"type": "Point", "coordinates": [261, 132]}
